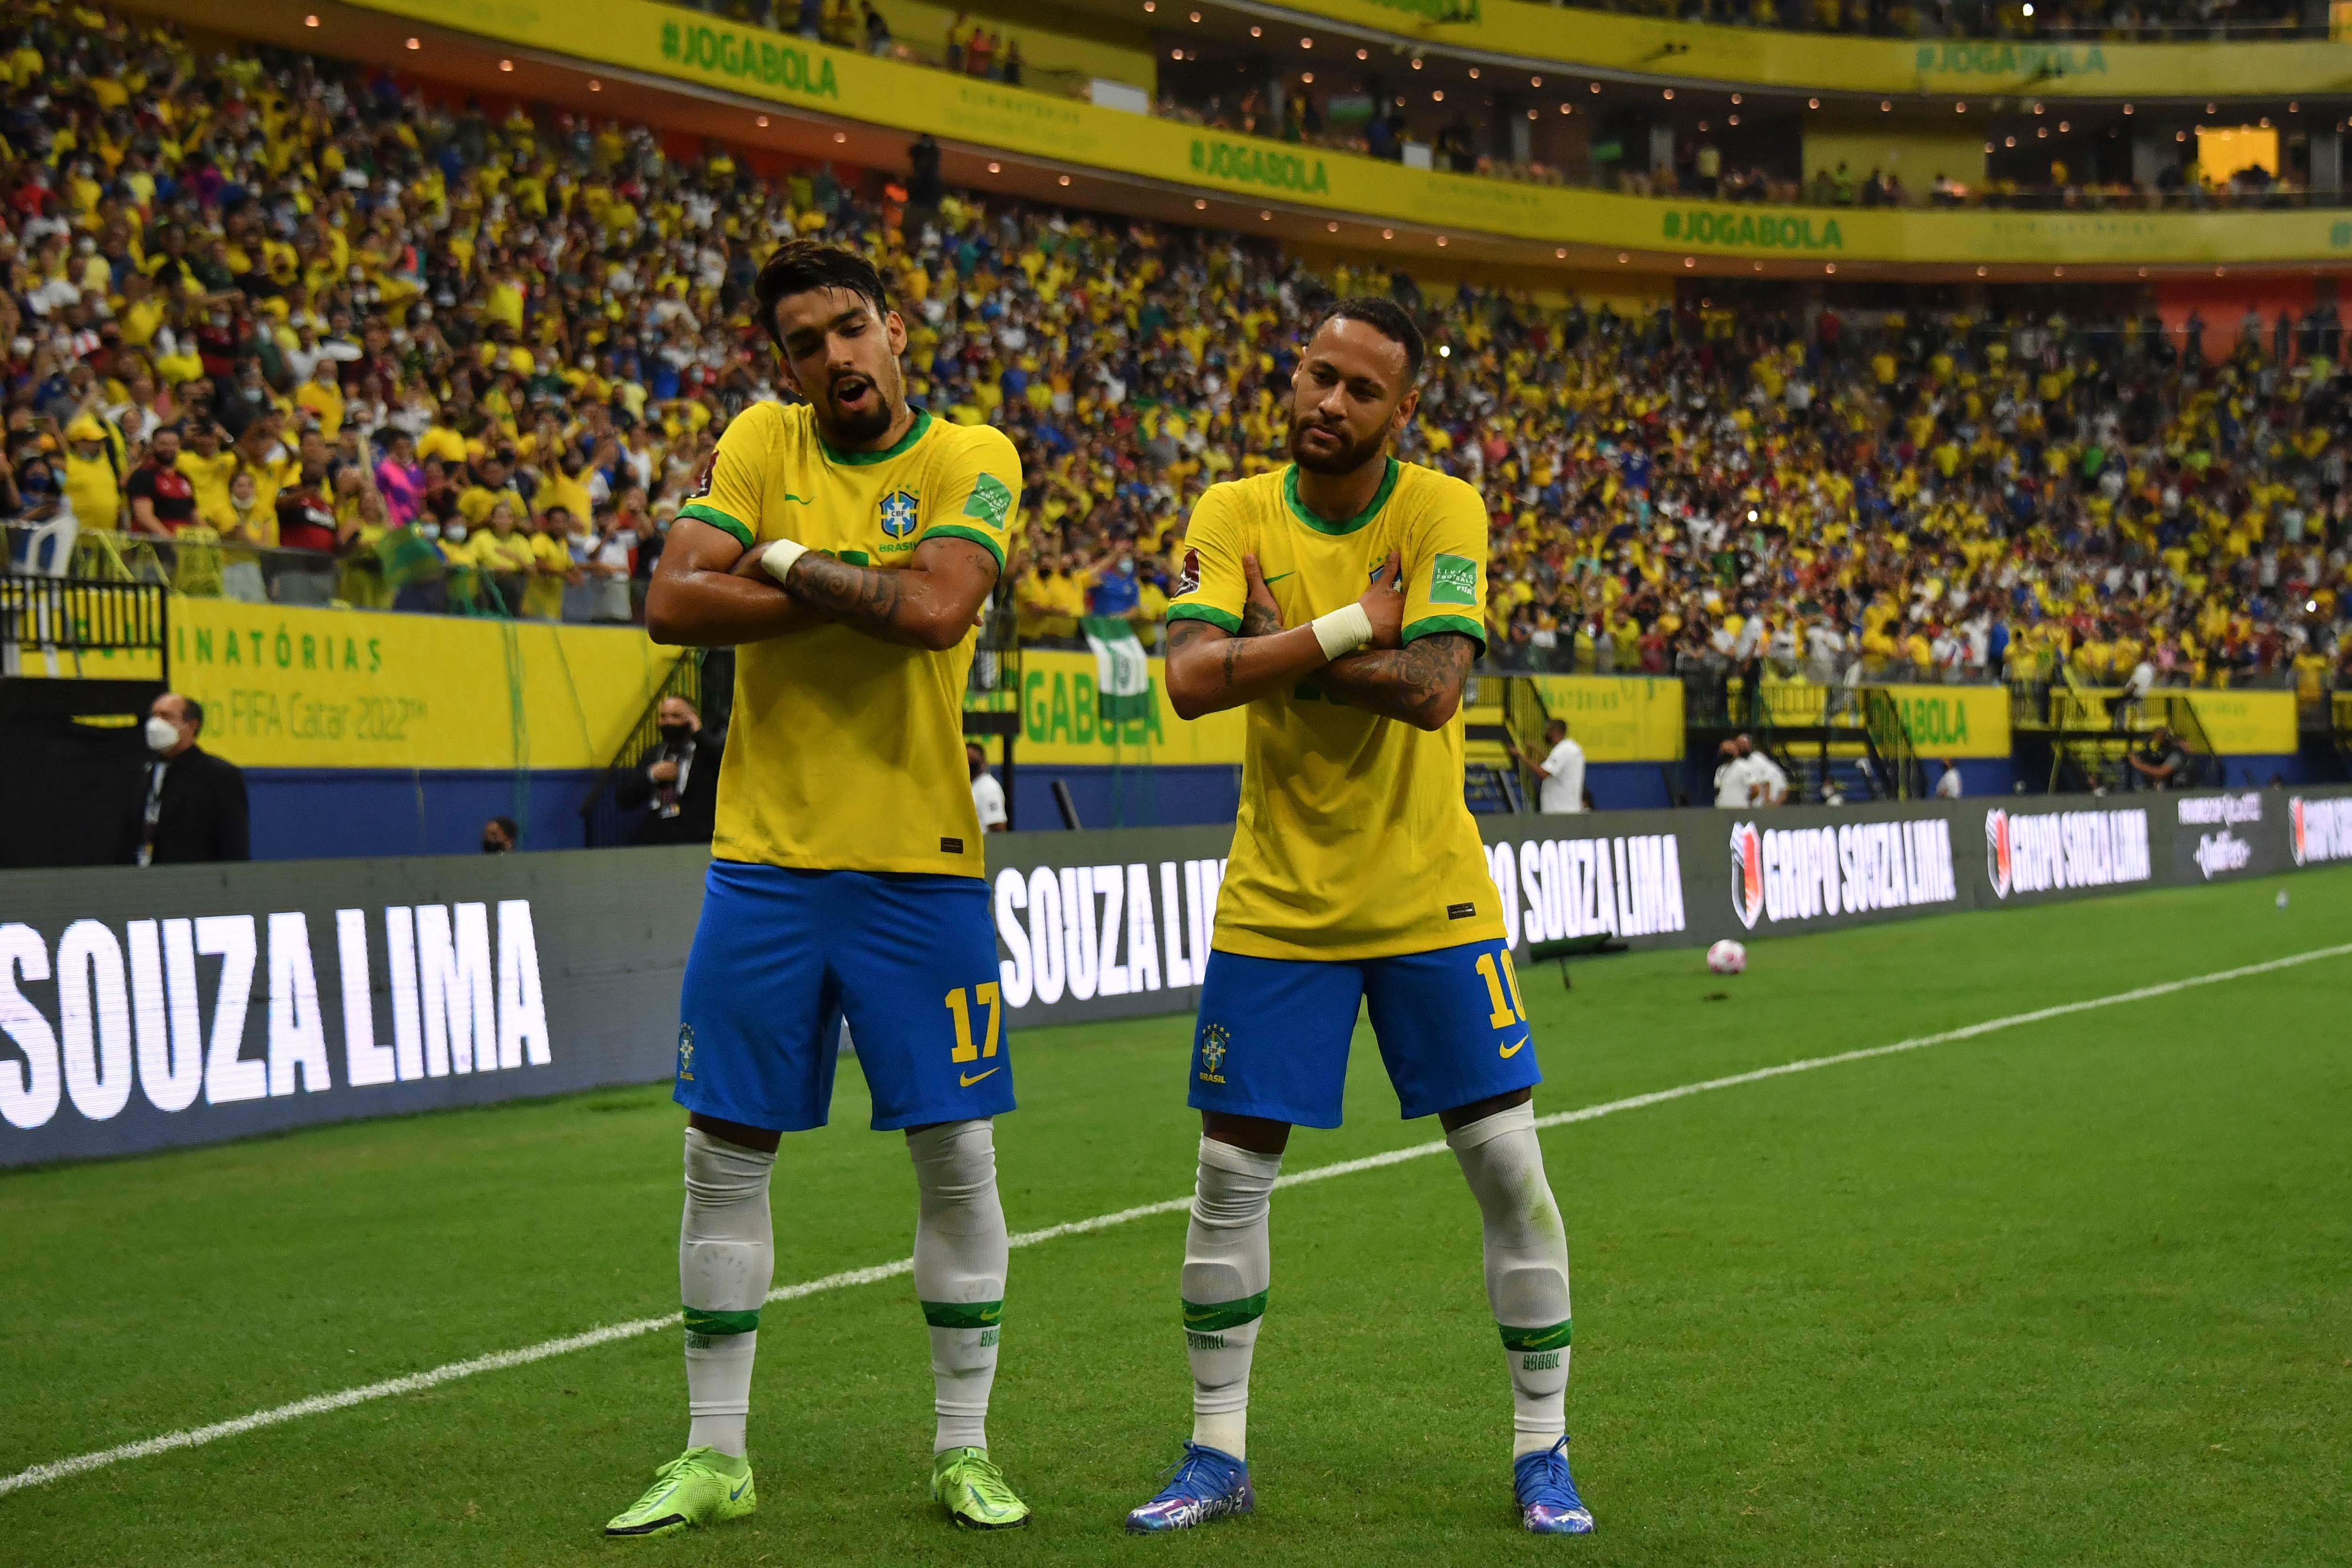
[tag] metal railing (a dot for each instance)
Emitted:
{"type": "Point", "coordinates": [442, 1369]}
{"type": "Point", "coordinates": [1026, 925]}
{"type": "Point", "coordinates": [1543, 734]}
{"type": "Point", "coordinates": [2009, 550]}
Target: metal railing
{"type": "Point", "coordinates": [66, 618]}
{"type": "Point", "coordinates": [1893, 752]}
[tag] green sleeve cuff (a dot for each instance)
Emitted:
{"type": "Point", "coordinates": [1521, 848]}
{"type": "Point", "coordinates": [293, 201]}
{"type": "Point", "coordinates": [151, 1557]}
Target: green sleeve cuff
{"type": "Point", "coordinates": [957, 530]}
{"type": "Point", "coordinates": [703, 512]}
{"type": "Point", "coordinates": [1209, 613]}
{"type": "Point", "coordinates": [1430, 625]}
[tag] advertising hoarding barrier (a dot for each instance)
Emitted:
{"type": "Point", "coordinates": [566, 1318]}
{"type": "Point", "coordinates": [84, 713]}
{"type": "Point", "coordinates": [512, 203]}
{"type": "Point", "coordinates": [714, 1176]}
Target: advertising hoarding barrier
{"type": "Point", "coordinates": [142, 1010]}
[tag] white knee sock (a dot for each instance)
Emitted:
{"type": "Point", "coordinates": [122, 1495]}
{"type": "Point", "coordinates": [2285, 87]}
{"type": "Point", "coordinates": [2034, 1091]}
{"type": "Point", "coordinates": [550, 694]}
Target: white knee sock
{"type": "Point", "coordinates": [725, 1258]}
{"type": "Point", "coordinates": [1527, 1268]}
{"type": "Point", "coordinates": [959, 1255]}
{"type": "Point", "coordinates": [1228, 1264]}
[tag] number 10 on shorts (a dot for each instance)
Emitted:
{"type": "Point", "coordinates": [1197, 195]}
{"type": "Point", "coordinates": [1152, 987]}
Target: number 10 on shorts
{"type": "Point", "coordinates": [983, 996]}
{"type": "Point", "coordinates": [1506, 1009]}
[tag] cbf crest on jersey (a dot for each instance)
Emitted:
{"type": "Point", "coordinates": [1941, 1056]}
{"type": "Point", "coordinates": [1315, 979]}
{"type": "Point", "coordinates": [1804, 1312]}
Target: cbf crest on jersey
{"type": "Point", "coordinates": [899, 514]}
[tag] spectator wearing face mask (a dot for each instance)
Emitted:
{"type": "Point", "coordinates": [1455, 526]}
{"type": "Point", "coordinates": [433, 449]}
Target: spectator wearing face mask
{"type": "Point", "coordinates": [675, 780]}
{"type": "Point", "coordinates": [191, 805]}
{"type": "Point", "coordinates": [499, 836]}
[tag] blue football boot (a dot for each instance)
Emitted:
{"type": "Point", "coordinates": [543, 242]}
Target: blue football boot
{"type": "Point", "coordinates": [1206, 1484]}
{"type": "Point", "coordinates": [1548, 1501]}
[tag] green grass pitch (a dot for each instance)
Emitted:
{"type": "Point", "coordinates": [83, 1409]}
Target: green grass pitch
{"type": "Point", "coordinates": [2076, 1292]}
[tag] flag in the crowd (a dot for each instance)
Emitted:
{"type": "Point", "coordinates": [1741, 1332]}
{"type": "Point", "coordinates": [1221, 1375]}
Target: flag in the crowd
{"type": "Point", "coordinates": [1122, 673]}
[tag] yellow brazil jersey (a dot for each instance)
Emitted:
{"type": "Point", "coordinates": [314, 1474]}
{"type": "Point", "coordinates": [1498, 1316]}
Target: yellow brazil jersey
{"type": "Point", "coordinates": [846, 751]}
{"type": "Point", "coordinates": [1353, 840]}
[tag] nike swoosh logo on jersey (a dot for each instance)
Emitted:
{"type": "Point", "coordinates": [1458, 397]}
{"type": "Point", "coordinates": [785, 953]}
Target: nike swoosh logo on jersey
{"type": "Point", "coordinates": [1513, 1048]}
{"type": "Point", "coordinates": [974, 1078]}
{"type": "Point", "coordinates": [801, 499]}
{"type": "Point", "coordinates": [1278, 577]}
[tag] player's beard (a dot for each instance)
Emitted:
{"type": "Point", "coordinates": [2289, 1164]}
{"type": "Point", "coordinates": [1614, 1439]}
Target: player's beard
{"type": "Point", "coordinates": [874, 413]}
{"type": "Point", "coordinates": [1351, 454]}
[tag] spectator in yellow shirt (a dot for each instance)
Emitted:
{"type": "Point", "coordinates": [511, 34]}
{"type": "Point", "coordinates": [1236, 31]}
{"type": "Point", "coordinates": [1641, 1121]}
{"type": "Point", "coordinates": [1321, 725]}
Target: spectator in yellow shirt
{"type": "Point", "coordinates": [322, 397]}
{"type": "Point", "coordinates": [551, 566]}
{"type": "Point", "coordinates": [503, 553]}
{"type": "Point", "coordinates": [93, 475]}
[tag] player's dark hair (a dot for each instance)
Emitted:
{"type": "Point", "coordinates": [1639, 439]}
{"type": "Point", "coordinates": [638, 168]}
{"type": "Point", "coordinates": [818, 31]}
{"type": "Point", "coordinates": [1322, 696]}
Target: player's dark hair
{"type": "Point", "coordinates": [1385, 317]}
{"type": "Point", "coordinates": [801, 265]}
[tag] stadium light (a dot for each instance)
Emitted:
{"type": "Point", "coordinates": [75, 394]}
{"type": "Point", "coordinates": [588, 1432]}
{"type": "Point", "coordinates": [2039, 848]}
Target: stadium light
{"type": "Point", "coordinates": [1363, 54]}
{"type": "Point", "coordinates": [1200, 204]}
{"type": "Point", "coordinates": [1960, 108]}
{"type": "Point", "coordinates": [1332, 227]}
{"type": "Point", "coordinates": [1441, 241]}
{"type": "Point", "coordinates": [1595, 87]}
{"type": "Point", "coordinates": [842, 136]}
{"type": "Point", "coordinates": [1307, 77]}
{"type": "Point", "coordinates": [2064, 127]}
{"type": "Point", "coordinates": [1531, 115]}
{"type": "Point", "coordinates": [2028, 8]}
{"type": "Point", "coordinates": [2057, 272]}
{"type": "Point", "coordinates": [1886, 106]}
{"type": "Point", "coordinates": [1690, 261]}
{"type": "Point", "coordinates": [415, 43]}
{"type": "Point", "coordinates": [310, 21]}
{"type": "Point", "coordinates": [1812, 103]}
{"type": "Point", "coordinates": [2006, 142]}
{"type": "Point", "coordinates": [2127, 109]}
{"type": "Point", "coordinates": [506, 65]}
{"type": "Point", "coordinates": [1196, 16]}
{"type": "Point", "coordinates": [1305, 43]}
{"type": "Point", "coordinates": [1735, 98]}
{"type": "Point", "coordinates": [1062, 179]}
{"type": "Point", "coordinates": [1263, 215]}
{"type": "Point", "coordinates": [1623, 258]}
{"type": "Point", "coordinates": [1255, 32]}
{"type": "Point", "coordinates": [1670, 95]}
{"type": "Point", "coordinates": [2143, 271]}
{"type": "Point", "coordinates": [2292, 107]}
{"type": "Point", "coordinates": [1438, 96]}
{"type": "Point", "coordinates": [2037, 109]}
{"type": "Point", "coordinates": [761, 123]}
{"type": "Point", "coordinates": [996, 168]}
{"type": "Point", "coordinates": [1445, 351]}
{"type": "Point", "coordinates": [1388, 234]}
{"type": "Point", "coordinates": [595, 86]}
{"type": "Point", "coordinates": [1829, 267]}
{"type": "Point", "coordinates": [1980, 271]}
{"type": "Point", "coordinates": [1538, 82]}
{"type": "Point", "coordinates": [1473, 73]}
{"type": "Point", "coordinates": [1560, 255]}
{"type": "Point", "coordinates": [1568, 109]}
{"type": "Point", "coordinates": [1416, 62]}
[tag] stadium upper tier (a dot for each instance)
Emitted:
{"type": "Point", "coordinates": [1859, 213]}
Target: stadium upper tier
{"type": "Point", "coordinates": [1952, 47]}
{"type": "Point", "coordinates": [836, 101]}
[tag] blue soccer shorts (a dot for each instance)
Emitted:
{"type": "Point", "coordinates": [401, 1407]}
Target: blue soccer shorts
{"type": "Point", "coordinates": [1273, 1034]}
{"type": "Point", "coordinates": [781, 956]}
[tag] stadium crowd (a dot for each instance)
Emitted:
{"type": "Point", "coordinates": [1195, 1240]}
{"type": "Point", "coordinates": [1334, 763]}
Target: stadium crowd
{"type": "Point", "coordinates": [281, 328]}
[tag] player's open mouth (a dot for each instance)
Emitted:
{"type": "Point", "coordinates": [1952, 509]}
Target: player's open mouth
{"type": "Point", "coordinates": [851, 393]}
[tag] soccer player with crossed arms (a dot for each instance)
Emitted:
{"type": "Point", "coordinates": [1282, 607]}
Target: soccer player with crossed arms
{"type": "Point", "coordinates": [844, 546]}
{"type": "Point", "coordinates": [1340, 601]}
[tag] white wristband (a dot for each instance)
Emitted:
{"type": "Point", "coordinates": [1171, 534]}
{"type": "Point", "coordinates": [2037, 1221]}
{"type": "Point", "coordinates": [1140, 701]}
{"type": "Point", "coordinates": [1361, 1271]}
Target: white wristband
{"type": "Point", "coordinates": [778, 557]}
{"type": "Point", "coordinates": [1342, 631]}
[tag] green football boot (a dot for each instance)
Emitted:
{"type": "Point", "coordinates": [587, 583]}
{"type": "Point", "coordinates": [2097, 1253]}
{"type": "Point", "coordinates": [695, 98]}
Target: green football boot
{"type": "Point", "coordinates": [972, 1490]}
{"type": "Point", "coordinates": [694, 1488]}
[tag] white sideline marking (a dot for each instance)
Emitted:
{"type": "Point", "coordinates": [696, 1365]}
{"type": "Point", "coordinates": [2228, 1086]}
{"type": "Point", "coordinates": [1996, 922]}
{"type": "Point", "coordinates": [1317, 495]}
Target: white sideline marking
{"type": "Point", "coordinates": [320, 1404]}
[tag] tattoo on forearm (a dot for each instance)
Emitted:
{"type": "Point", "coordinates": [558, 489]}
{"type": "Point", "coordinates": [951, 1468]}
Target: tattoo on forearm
{"type": "Point", "coordinates": [1409, 682]}
{"type": "Point", "coordinates": [1233, 651]}
{"type": "Point", "coordinates": [836, 585]}
{"type": "Point", "coordinates": [1260, 620]}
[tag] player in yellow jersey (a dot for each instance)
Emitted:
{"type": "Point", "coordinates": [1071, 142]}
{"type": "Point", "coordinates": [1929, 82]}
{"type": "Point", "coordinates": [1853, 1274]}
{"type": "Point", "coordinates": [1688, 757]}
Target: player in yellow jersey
{"type": "Point", "coordinates": [844, 546]}
{"type": "Point", "coordinates": [1341, 600]}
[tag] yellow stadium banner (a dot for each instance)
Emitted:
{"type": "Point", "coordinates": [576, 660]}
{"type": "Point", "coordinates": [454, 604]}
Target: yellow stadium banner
{"type": "Point", "coordinates": [2246, 723]}
{"type": "Point", "coordinates": [1954, 721]}
{"type": "Point", "coordinates": [1061, 721]}
{"type": "Point", "coordinates": [290, 688]}
{"type": "Point", "coordinates": [692, 47]}
{"type": "Point", "coordinates": [1950, 67]}
{"type": "Point", "coordinates": [1618, 718]}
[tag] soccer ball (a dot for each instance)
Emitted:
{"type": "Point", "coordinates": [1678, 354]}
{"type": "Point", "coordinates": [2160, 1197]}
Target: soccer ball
{"type": "Point", "coordinates": [1726, 957]}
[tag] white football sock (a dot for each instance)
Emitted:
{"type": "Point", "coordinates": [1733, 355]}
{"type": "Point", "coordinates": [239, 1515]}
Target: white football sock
{"type": "Point", "coordinates": [960, 1256]}
{"type": "Point", "coordinates": [1228, 1264]}
{"type": "Point", "coordinates": [725, 1258]}
{"type": "Point", "coordinates": [1527, 1268]}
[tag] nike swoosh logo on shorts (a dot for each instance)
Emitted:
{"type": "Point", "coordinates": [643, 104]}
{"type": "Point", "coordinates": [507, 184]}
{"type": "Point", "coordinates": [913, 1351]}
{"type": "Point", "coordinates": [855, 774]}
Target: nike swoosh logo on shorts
{"type": "Point", "coordinates": [974, 1078]}
{"type": "Point", "coordinates": [1513, 1048]}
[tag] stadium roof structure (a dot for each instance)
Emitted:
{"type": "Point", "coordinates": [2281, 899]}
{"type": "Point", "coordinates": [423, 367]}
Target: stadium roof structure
{"type": "Point", "coordinates": [696, 74]}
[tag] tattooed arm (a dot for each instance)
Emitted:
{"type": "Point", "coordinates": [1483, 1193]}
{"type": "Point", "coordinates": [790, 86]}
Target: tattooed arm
{"type": "Point", "coordinates": [1210, 668]}
{"type": "Point", "coordinates": [701, 596]}
{"type": "Point", "coordinates": [932, 602]}
{"type": "Point", "coordinates": [1420, 683]}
